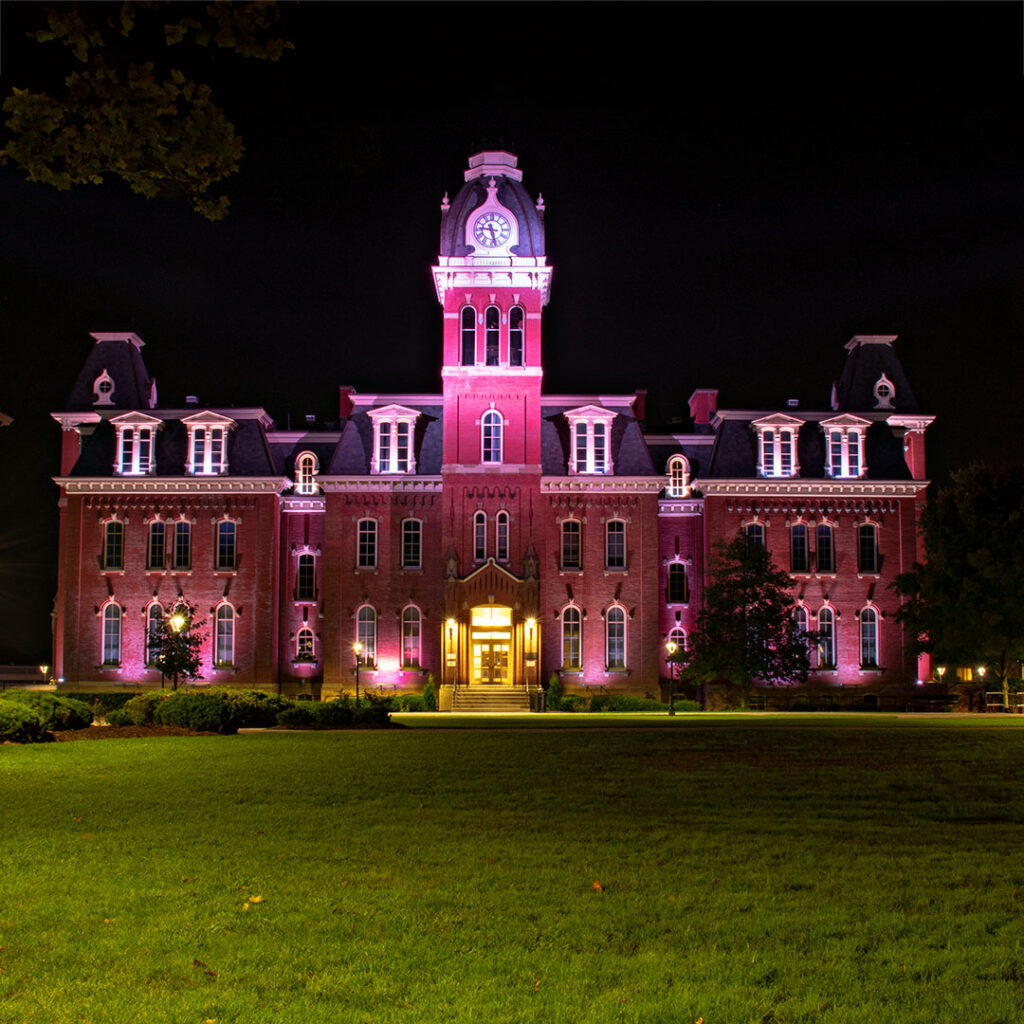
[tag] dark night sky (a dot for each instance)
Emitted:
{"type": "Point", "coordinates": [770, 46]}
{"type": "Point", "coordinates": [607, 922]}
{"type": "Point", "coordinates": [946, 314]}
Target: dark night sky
{"type": "Point", "coordinates": [729, 200]}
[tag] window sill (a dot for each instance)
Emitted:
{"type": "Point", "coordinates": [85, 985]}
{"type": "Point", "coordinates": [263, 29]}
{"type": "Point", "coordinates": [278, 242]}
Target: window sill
{"type": "Point", "coordinates": [112, 667]}
{"type": "Point", "coordinates": [570, 570]}
{"type": "Point", "coordinates": [411, 568]}
{"type": "Point", "coordinates": [677, 604]}
{"type": "Point", "coordinates": [305, 662]}
{"type": "Point", "coordinates": [366, 568]}
{"type": "Point", "coordinates": [615, 570]}
{"type": "Point", "coordinates": [224, 668]}
{"type": "Point", "coordinates": [112, 572]}
{"type": "Point", "coordinates": [570, 671]}
{"type": "Point", "coordinates": [869, 575]}
{"type": "Point", "coordinates": [180, 572]}
{"type": "Point", "coordinates": [155, 570]}
{"type": "Point", "coordinates": [623, 671]}
{"type": "Point", "coordinates": [304, 600]}
{"type": "Point", "coordinates": [874, 670]}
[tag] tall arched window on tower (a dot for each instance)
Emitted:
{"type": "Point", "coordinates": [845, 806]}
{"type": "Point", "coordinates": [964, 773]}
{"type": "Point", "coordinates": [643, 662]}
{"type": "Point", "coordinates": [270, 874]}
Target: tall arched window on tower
{"type": "Point", "coordinates": [112, 634]}
{"type": "Point", "coordinates": [515, 336]}
{"type": "Point", "coordinates": [468, 336]}
{"type": "Point", "coordinates": [479, 536]}
{"type": "Point", "coordinates": [366, 634]}
{"type": "Point", "coordinates": [501, 536]}
{"type": "Point", "coordinates": [491, 430]}
{"type": "Point", "coordinates": [224, 638]}
{"type": "Point", "coordinates": [572, 633]}
{"type": "Point", "coordinates": [678, 591]}
{"type": "Point", "coordinates": [492, 335]}
{"type": "Point", "coordinates": [615, 627]}
{"type": "Point", "coordinates": [305, 578]}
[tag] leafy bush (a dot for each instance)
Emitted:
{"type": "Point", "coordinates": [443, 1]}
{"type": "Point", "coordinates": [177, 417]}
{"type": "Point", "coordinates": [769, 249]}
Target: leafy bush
{"type": "Point", "coordinates": [101, 703]}
{"type": "Point", "coordinates": [429, 694]}
{"type": "Point", "coordinates": [554, 700]}
{"type": "Point", "coordinates": [118, 716]}
{"type": "Point", "coordinates": [201, 712]}
{"type": "Point", "coordinates": [624, 702]}
{"type": "Point", "coordinates": [298, 714]}
{"type": "Point", "coordinates": [20, 723]}
{"type": "Point", "coordinates": [338, 713]}
{"type": "Point", "coordinates": [55, 712]}
{"type": "Point", "coordinates": [141, 709]}
{"type": "Point", "coordinates": [371, 712]}
{"type": "Point", "coordinates": [253, 709]}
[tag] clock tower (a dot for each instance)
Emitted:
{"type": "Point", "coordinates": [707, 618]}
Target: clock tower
{"type": "Point", "coordinates": [492, 280]}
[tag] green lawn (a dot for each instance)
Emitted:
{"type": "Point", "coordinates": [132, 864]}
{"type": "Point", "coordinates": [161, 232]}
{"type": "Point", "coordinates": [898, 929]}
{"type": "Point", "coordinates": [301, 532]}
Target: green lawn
{"type": "Point", "coordinates": [751, 869]}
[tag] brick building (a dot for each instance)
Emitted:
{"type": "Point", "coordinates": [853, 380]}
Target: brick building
{"type": "Point", "coordinates": [490, 534]}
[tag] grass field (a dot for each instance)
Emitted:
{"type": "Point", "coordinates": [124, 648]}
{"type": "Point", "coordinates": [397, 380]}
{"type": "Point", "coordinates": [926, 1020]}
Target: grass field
{"type": "Point", "coordinates": [761, 869]}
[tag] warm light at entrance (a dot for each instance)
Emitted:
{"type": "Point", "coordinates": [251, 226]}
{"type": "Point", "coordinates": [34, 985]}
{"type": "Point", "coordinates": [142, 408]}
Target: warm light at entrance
{"type": "Point", "coordinates": [492, 616]}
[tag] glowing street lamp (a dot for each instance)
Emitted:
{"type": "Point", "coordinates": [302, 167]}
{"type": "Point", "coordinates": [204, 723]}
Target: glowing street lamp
{"type": "Point", "coordinates": [671, 647]}
{"type": "Point", "coordinates": [531, 647]}
{"type": "Point", "coordinates": [357, 649]}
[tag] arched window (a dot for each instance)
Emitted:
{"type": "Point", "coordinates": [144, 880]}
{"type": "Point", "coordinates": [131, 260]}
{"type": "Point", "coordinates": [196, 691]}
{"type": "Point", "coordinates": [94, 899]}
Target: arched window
{"type": "Point", "coordinates": [305, 578]}
{"type": "Point", "coordinates": [305, 645]}
{"type": "Point", "coordinates": [571, 535]}
{"type": "Point", "coordinates": [366, 545]}
{"type": "Point", "coordinates": [515, 336]}
{"type": "Point", "coordinates": [306, 468]}
{"type": "Point", "coordinates": [867, 548]}
{"type": "Point", "coordinates": [492, 334]}
{"type": "Point", "coordinates": [227, 546]}
{"type": "Point", "coordinates": [224, 637]}
{"type": "Point", "coordinates": [826, 638]}
{"type": "Point", "coordinates": [615, 630]}
{"type": "Point", "coordinates": [798, 561]}
{"type": "Point", "coordinates": [156, 547]}
{"type": "Point", "coordinates": [366, 634]}
{"type": "Point", "coordinates": [468, 336]}
{"type": "Point", "coordinates": [113, 545]}
{"type": "Point", "coordinates": [800, 622]}
{"type": "Point", "coordinates": [572, 635]}
{"type": "Point", "coordinates": [411, 637]}
{"type": "Point", "coordinates": [112, 634]}
{"type": "Point", "coordinates": [615, 544]}
{"type": "Point", "coordinates": [677, 637]}
{"type": "Point", "coordinates": [479, 536]}
{"type": "Point", "coordinates": [491, 436]}
{"type": "Point", "coordinates": [501, 536]}
{"type": "Point", "coordinates": [755, 534]}
{"type": "Point", "coordinates": [678, 477]}
{"type": "Point", "coordinates": [154, 627]}
{"type": "Point", "coordinates": [868, 638]}
{"type": "Point", "coordinates": [678, 591]}
{"type": "Point", "coordinates": [826, 554]}
{"type": "Point", "coordinates": [412, 544]}
{"type": "Point", "coordinates": [182, 546]}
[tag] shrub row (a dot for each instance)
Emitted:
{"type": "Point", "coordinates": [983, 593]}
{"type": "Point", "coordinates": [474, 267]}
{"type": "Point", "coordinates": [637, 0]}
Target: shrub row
{"type": "Point", "coordinates": [599, 702]}
{"type": "Point", "coordinates": [27, 715]}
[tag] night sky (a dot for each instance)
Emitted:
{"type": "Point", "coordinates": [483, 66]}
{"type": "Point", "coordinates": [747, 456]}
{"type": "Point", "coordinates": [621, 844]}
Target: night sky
{"type": "Point", "coordinates": [729, 199]}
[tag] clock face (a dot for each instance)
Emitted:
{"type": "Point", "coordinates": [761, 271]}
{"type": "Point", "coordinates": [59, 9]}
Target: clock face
{"type": "Point", "coordinates": [492, 229]}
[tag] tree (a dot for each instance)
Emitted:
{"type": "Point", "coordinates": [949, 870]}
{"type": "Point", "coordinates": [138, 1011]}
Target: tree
{"type": "Point", "coordinates": [746, 630]}
{"type": "Point", "coordinates": [964, 605]}
{"type": "Point", "coordinates": [177, 643]}
{"type": "Point", "coordinates": [123, 115]}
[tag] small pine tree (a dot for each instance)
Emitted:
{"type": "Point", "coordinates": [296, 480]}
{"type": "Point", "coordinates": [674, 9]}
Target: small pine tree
{"type": "Point", "coordinates": [746, 630]}
{"type": "Point", "coordinates": [177, 642]}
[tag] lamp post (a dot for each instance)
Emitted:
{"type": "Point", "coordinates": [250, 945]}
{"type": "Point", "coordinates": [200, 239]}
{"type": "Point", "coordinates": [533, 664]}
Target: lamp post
{"type": "Point", "coordinates": [531, 648]}
{"type": "Point", "coordinates": [671, 647]}
{"type": "Point", "coordinates": [177, 623]}
{"type": "Point", "coordinates": [357, 649]}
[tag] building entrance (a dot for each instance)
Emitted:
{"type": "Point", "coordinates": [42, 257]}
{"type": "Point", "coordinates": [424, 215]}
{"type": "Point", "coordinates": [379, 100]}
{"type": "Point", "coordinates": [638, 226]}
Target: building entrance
{"type": "Point", "coordinates": [491, 642]}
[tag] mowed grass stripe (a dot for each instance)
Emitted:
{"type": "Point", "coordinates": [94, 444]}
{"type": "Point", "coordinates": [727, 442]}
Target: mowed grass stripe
{"type": "Point", "coordinates": [750, 869]}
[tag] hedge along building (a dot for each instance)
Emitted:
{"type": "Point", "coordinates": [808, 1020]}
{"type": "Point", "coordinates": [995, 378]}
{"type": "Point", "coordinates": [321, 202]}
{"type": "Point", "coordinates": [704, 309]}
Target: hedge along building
{"type": "Point", "coordinates": [489, 535]}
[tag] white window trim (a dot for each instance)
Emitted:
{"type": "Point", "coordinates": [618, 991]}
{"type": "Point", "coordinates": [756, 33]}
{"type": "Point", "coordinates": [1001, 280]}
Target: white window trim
{"type": "Point", "coordinates": [218, 662]}
{"type": "Point", "coordinates": [302, 485]}
{"type": "Point", "coordinates": [588, 416]}
{"type": "Point", "coordinates": [393, 415]}
{"type": "Point", "coordinates": [129, 428]}
{"type": "Point", "coordinates": [860, 636]}
{"type": "Point", "coordinates": [104, 663]}
{"type": "Point", "coordinates": [376, 544]}
{"type": "Point", "coordinates": [419, 525]}
{"type": "Point", "coordinates": [235, 521]}
{"type": "Point", "coordinates": [419, 637]}
{"type": "Point", "coordinates": [298, 646]}
{"type": "Point", "coordinates": [779, 424]}
{"type": "Point", "coordinates": [674, 490]}
{"type": "Point", "coordinates": [103, 397]}
{"type": "Point", "coordinates": [502, 516]}
{"type": "Point", "coordinates": [625, 639]}
{"type": "Point", "coordinates": [848, 425]}
{"type": "Point", "coordinates": [579, 611]}
{"type": "Point", "coordinates": [364, 656]}
{"type": "Point", "coordinates": [208, 421]}
{"type": "Point", "coordinates": [607, 546]}
{"type": "Point", "coordinates": [501, 437]}
{"type": "Point", "coordinates": [479, 532]}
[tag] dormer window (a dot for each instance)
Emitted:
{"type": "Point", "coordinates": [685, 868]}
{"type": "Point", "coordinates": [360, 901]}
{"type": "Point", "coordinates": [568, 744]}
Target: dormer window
{"type": "Point", "coordinates": [306, 469]}
{"type": "Point", "coordinates": [590, 432]}
{"type": "Point", "coordinates": [884, 393]}
{"type": "Point", "coordinates": [844, 439]}
{"type": "Point", "coordinates": [136, 444]}
{"type": "Point", "coordinates": [777, 446]}
{"type": "Point", "coordinates": [678, 477]}
{"type": "Point", "coordinates": [208, 443]}
{"type": "Point", "coordinates": [103, 389]}
{"type": "Point", "coordinates": [393, 427]}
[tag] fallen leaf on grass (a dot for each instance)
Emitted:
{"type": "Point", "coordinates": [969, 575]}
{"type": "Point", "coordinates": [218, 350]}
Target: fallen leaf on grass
{"type": "Point", "coordinates": [255, 899]}
{"type": "Point", "coordinates": [597, 887]}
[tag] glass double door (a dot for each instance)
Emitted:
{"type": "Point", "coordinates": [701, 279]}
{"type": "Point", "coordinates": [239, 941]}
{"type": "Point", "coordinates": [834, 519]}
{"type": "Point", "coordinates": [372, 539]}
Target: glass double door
{"type": "Point", "coordinates": [490, 662]}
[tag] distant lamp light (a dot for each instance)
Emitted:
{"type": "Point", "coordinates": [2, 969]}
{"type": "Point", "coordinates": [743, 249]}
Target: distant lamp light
{"type": "Point", "coordinates": [981, 671]}
{"type": "Point", "coordinates": [940, 671]}
{"type": "Point", "coordinates": [177, 622]}
{"type": "Point", "coordinates": [44, 670]}
{"type": "Point", "coordinates": [672, 647]}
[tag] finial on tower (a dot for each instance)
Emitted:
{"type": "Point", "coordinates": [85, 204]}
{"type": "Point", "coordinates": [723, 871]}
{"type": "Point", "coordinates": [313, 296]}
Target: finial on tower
{"type": "Point", "coordinates": [445, 204]}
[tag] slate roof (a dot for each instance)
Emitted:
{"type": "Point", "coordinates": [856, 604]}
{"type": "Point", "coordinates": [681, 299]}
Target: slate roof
{"type": "Point", "coordinates": [511, 195]}
{"type": "Point", "coordinates": [865, 364]}
{"type": "Point", "coordinates": [355, 449]}
{"type": "Point", "coordinates": [123, 362]}
{"type": "Point", "coordinates": [628, 448]}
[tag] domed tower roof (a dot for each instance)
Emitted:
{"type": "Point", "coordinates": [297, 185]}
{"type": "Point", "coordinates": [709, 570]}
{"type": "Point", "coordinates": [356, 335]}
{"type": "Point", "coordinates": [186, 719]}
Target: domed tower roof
{"type": "Point", "coordinates": [493, 180]}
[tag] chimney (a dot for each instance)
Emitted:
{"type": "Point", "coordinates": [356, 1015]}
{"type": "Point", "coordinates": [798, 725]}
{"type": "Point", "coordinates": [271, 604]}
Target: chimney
{"type": "Point", "coordinates": [191, 399]}
{"type": "Point", "coordinates": [640, 404]}
{"type": "Point", "coordinates": [345, 404]}
{"type": "Point", "coordinates": [703, 405]}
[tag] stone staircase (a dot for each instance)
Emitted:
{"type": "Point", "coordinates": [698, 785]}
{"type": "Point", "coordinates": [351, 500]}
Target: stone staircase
{"type": "Point", "coordinates": [490, 699]}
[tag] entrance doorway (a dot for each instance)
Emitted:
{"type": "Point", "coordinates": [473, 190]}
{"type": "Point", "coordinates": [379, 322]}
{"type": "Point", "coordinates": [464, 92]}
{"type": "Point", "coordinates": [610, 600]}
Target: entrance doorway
{"type": "Point", "coordinates": [491, 644]}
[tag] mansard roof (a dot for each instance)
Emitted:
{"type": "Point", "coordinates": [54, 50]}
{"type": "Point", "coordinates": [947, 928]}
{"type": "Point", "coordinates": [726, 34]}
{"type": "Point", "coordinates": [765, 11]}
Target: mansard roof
{"type": "Point", "coordinates": [628, 449]}
{"type": "Point", "coordinates": [869, 358]}
{"type": "Point", "coordinates": [119, 356]}
{"type": "Point", "coordinates": [354, 451]}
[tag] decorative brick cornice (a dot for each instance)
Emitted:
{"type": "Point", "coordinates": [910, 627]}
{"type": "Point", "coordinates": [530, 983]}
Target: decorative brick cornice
{"type": "Point", "coordinates": [681, 507]}
{"type": "Point", "coordinates": [608, 484]}
{"type": "Point", "coordinates": [173, 485]}
{"type": "Point", "coordinates": [378, 484]}
{"type": "Point", "coordinates": [302, 503]}
{"type": "Point", "coordinates": [789, 488]}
